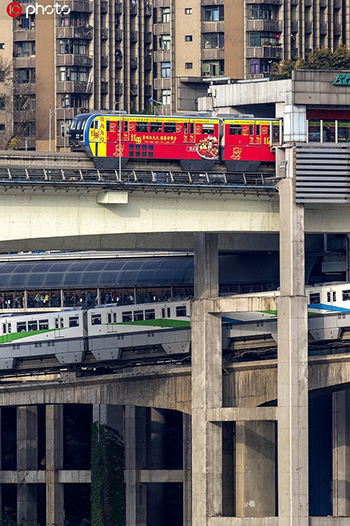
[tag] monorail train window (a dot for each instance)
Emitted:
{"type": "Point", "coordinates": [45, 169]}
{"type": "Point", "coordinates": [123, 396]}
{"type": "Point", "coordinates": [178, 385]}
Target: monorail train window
{"type": "Point", "coordinates": [235, 129]}
{"type": "Point", "coordinates": [257, 129]}
{"type": "Point", "coordinates": [32, 325]}
{"type": "Point", "coordinates": [43, 325]}
{"type": "Point", "coordinates": [96, 124]}
{"type": "Point", "coordinates": [168, 312]}
{"type": "Point", "coordinates": [251, 129]}
{"type": "Point", "coordinates": [21, 326]}
{"type": "Point", "coordinates": [346, 295]}
{"type": "Point", "coordinates": [126, 126]}
{"type": "Point", "coordinates": [170, 127]}
{"type": "Point", "coordinates": [208, 129]}
{"type": "Point", "coordinates": [150, 314]}
{"type": "Point", "coordinates": [126, 316]}
{"type": "Point", "coordinates": [181, 311]}
{"type": "Point", "coordinates": [74, 321]}
{"type": "Point", "coordinates": [9, 327]}
{"type": "Point", "coordinates": [96, 319]}
{"type": "Point", "coordinates": [58, 323]}
{"type": "Point", "coordinates": [155, 127]}
{"type": "Point", "coordinates": [4, 328]}
{"type": "Point", "coordinates": [142, 127]}
{"type": "Point", "coordinates": [163, 313]}
{"type": "Point", "coordinates": [343, 131]}
{"type": "Point", "coordinates": [276, 133]}
{"type": "Point", "coordinates": [314, 298]}
{"type": "Point", "coordinates": [138, 315]}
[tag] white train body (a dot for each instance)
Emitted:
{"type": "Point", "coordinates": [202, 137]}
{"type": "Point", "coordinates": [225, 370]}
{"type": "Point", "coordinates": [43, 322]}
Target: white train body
{"type": "Point", "coordinates": [105, 330]}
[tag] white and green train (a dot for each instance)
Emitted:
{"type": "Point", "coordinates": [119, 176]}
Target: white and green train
{"type": "Point", "coordinates": [106, 332]}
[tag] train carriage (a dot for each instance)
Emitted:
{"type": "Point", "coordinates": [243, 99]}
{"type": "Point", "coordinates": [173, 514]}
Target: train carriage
{"type": "Point", "coordinates": [193, 142]}
{"type": "Point", "coordinates": [247, 143]}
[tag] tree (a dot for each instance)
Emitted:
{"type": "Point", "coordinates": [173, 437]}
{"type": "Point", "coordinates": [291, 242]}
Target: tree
{"type": "Point", "coordinates": [320, 59]}
{"type": "Point", "coordinates": [107, 477]}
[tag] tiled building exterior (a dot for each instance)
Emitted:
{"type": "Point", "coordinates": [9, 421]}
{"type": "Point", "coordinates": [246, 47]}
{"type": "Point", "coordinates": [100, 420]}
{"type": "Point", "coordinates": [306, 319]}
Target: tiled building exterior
{"type": "Point", "coordinates": [117, 54]}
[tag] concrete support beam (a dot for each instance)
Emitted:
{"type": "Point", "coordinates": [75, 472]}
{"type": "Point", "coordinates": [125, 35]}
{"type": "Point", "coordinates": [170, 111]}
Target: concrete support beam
{"type": "Point", "coordinates": [341, 454]}
{"type": "Point", "coordinates": [206, 385]}
{"type": "Point", "coordinates": [27, 459]}
{"type": "Point", "coordinates": [155, 461]}
{"type": "Point", "coordinates": [54, 463]}
{"type": "Point", "coordinates": [293, 504]}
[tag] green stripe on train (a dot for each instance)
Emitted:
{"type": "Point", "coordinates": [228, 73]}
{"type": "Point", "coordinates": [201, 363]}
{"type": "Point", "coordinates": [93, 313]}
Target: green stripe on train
{"type": "Point", "coordinates": [13, 336]}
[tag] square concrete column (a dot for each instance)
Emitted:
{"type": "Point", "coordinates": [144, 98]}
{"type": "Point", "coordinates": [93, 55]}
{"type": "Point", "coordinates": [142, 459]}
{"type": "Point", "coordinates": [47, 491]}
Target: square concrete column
{"type": "Point", "coordinates": [54, 462]}
{"type": "Point", "coordinates": [27, 459]}
{"type": "Point", "coordinates": [341, 454]}
{"type": "Point", "coordinates": [206, 384]}
{"type": "Point", "coordinates": [293, 483]}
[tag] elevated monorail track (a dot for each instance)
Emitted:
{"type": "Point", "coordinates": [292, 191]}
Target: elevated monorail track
{"type": "Point", "coordinates": [80, 178]}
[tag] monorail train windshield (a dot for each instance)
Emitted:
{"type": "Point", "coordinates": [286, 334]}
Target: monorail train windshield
{"type": "Point", "coordinates": [76, 131]}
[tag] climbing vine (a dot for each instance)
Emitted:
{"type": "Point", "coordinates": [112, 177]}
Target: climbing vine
{"type": "Point", "coordinates": [107, 477]}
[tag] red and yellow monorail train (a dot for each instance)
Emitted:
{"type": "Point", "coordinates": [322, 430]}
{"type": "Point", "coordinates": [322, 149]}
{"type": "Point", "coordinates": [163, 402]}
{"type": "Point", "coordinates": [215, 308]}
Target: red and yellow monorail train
{"type": "Point", "coordinates": [195, 142]}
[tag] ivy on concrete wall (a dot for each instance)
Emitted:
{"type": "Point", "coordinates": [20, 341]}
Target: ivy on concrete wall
{"type": "Point", "coordinates": [107, 477]}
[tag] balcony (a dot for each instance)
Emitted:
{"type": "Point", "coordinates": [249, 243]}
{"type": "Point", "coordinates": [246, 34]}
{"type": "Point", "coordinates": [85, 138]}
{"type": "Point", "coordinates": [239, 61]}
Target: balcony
{"type": "Point", "coordinates": [133, 37]}
{"type": "Point", "coordinates": [118, 8]}
{"type": "Point", "coordinates": [85, 6]}
{"type": "Point", "coordinates": [264, 25]}
{"type": "Point", "coordinates": [160, 83]}
{"type": "Point", "coordinates": [308, 28]}
{"type": "Point", "coordinates": [104, 87]}
{"type": "Point", "coordinates": [119, 61]}
{"type": "Point", "coordinates": [24, 62]}
{"type": "Point", "coordinates": [74, 32]}
{"type": "Point", "coordinates": [133, 8]}
{"type": "Point", "coordinates": [104, 61]}
{"type": "Point", "coordinates": [294, 26]}
{"type": "Point", "coordinates": [323, 29]}
{"type": "Point", "coordinates": [337, 30]}
{"type": "Point", "coordinates": [272, 52]}
{"type": "Point", "coordinates": [70, 86]}
{"type": "Point", "coordinates": [267, 2]}
{"type": "Point", "coordinates": [213, 54]}
{"type": "Point", "coordinates": [212, 27]}
{"type": "Point", "coordinates": [161, 29]}
{"type": "Point", "coordinates": [104, 33]}
{"type": "Point", "coordinates": [23, 35]}
{"type": "Point", "coordinates": [104, 6]}
{"type": "Point", "coordinates": [133, 63]}
{"type": "Point", "coordinates": [118, 88]}
{"type": "Point", "coordinates": [161, 56]}
{"type": "Point", "coordinates": [74, 60]}
{"type": "Point", "coordinates": [118, 35]}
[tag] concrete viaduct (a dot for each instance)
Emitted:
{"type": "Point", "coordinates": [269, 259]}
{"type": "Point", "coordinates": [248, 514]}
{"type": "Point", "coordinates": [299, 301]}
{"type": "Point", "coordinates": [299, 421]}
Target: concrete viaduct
{"type": "Point", "coordinates": [216, 398]}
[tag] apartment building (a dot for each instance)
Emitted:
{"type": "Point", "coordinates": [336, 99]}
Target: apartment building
{"type": "Point", "coordinates": [86, 55]}
{"type": "Point", "coordinates": [197, 40]}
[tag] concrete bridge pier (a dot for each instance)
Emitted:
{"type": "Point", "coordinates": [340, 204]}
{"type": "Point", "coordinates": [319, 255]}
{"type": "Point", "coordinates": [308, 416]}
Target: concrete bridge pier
{"type": "Point", "coordinates": [54, 463]}
{"type": "Point", "coordinates": [341, 453]}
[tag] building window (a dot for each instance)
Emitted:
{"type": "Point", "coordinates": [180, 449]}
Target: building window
{"type": "Point", "coordinates": [2, 45]}
{"type": "Point", "coordinates": [164, 42]}
{"type": "Point", "coordinates": [255, 66]}
{"type": "Point", "coordinates": [24, 49]}
{"type": "Point", "coordinates": [213, 41]}
{"type": "Point", "coordinates": [188, 10]}
{"type": "Point", "coordinates": [213, 13]}
{"type": "Point", "coordinates": [165, 96]}
{"type": "Point", "coordinates": [255, 39]}
{"type": "Point", "coordinates": [2, 127]}
{"type": "Point", "coordinates": [213, 68]}
{"type": "Point", "coordinates": [2, 103]}
{"type": "Point", "coordinates": [2, 76]}
{"type": "Point", "coordinates": [262, 12]}
{"type": "Point", "coordinates": [188, 38]}
{"type": "Point", "coordinates": [165, 15]}
{"type": "Point", "coordinates": [165, 70]}
{"type": "Point", "coordinates": [188, 65]}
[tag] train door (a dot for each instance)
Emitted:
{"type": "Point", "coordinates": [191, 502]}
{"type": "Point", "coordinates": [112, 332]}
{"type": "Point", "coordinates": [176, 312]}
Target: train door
{"type": "Point", "coordinates": [59, 324]}
{"type": "Point", "coordinates": [189, 137]}
{"type": "Point", "coordinates": [6, 331]}
{"type": "Point", "coordinates": [112, 322]}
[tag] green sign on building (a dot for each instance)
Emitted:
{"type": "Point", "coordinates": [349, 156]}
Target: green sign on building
{"type": "Point", "coordinates": [343, 79]}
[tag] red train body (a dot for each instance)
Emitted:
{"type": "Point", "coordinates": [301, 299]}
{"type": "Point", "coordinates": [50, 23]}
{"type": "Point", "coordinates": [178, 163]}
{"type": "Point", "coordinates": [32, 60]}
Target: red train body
{"type": "Point", "coordinates": [196, 143]}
